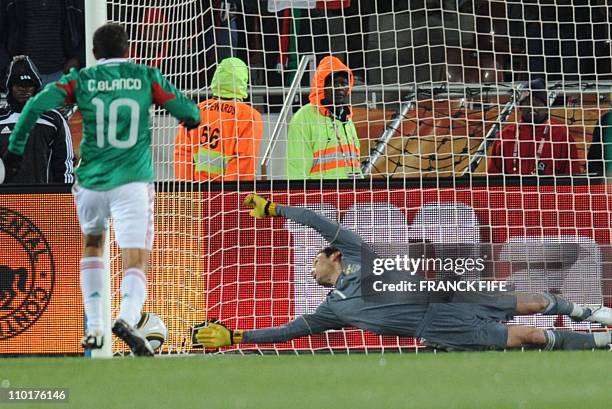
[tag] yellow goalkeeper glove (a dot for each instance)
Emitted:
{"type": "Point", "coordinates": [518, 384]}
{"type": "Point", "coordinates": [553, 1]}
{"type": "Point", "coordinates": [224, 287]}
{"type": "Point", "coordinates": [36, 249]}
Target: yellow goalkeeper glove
{"type": "Point", "coordinates": [213, 334]}
{"type": "Point", "coordinates": [261, 207]}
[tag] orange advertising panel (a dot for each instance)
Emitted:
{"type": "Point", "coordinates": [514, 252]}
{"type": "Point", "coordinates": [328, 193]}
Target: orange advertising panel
{"type": "Point", "coordinates": [41, 307]}
{"type": "Point", "coordinates": [41, 311]}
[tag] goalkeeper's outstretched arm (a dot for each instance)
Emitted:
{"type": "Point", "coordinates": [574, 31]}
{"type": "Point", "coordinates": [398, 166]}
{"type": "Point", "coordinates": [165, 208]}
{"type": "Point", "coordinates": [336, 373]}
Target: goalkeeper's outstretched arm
{"type": "Point", "coordinates": [216, 335]}
{"type": "Point", "coordinates": [299, 327]}
{"type": "Point", "coordinates": [333, 232]}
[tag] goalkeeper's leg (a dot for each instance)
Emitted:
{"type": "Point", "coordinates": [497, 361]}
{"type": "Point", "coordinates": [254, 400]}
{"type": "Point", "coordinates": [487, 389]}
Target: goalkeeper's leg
{"type": "Point", "coordinates": [552, 304]}
{"type": "Point", "coordinates": [523, 336]}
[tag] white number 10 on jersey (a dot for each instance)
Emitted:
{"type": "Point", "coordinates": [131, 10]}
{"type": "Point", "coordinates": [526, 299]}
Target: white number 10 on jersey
{"type": "Point", "coordinates": [113, 109]}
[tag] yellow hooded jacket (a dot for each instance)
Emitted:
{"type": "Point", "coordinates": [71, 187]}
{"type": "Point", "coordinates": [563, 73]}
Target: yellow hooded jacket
{"type": "Point", "coordinates": [226, 145]}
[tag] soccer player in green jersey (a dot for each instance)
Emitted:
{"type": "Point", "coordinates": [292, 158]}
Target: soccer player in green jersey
{"type": "Point", "coordinates": [115, 173]}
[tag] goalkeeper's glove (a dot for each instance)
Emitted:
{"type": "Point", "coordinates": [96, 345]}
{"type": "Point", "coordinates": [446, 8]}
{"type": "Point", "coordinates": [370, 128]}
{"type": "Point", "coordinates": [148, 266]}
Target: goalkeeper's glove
{"type": "Point", "coordinates": [213, 334]}
{"type": "Point", "coordinates": [261, 207]}
{"type": "Point", "coordinates": [12, 165]}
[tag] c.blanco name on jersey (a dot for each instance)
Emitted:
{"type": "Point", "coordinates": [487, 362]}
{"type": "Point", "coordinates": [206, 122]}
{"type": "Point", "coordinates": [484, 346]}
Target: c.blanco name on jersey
{"type": "Point", "coordinates": [114, 85]}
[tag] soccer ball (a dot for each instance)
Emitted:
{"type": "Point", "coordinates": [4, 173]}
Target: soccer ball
{"type": "Point", "coordinates": [153, 329]}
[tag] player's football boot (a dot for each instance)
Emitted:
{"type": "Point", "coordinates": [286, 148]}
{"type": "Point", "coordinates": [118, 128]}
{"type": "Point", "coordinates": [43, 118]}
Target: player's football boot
{"type": "Point", "coordinates": [603, 315]}
{"type": "Point", "coordinates": [92, 340]}
{"type": "Point", "coordinates": [133, 338]}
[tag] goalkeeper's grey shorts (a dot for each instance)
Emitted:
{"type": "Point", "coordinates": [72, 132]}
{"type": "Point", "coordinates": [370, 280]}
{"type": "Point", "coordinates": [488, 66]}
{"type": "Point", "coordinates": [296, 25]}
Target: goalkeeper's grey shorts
{"type": "Point", "coordinates": [470, 322]}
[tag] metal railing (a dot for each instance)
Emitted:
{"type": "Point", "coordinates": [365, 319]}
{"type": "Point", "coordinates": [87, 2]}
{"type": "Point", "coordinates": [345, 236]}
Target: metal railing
{"type": "Point", "coordinates": [284, 112]}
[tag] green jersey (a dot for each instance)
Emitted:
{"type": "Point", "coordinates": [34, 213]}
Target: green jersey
{"type": "Point", "coordinates": [114, 98]}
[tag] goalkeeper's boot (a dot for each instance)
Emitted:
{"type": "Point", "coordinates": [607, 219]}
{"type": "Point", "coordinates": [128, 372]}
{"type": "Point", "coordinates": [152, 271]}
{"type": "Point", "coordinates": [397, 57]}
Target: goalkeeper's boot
{"type": "Point", "coordinates": [602, 315]}
{"type": "Point", "coordinates": [133, 338]}
{"type": "Point", "coordinates": [93, 340]}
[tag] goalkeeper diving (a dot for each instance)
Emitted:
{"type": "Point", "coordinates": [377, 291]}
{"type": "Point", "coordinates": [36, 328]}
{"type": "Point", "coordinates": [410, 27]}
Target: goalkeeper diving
{"type": "Point", "coordinates": [452, 325]}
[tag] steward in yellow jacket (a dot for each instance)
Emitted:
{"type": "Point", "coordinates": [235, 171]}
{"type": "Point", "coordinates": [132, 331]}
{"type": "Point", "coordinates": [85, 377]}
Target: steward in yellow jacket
{"type": "Point", "coordinates": [322, 139]}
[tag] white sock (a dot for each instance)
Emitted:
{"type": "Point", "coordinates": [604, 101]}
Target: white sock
{"type": "Point", "coordinates": [602, 339]}
{"type": "Point", "coordinates": [133, 295]}
{"type": "Point", "coordinates": [92, 283]}
{"type": "Point", "coordinates": [579, 312]}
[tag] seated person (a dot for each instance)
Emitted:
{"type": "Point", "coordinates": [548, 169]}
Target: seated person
{"type": "Point", "coordinates": [538, 145]}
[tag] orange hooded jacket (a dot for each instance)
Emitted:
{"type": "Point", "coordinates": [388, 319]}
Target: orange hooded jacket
{"type": "Point", "coordinates": [319, 145]}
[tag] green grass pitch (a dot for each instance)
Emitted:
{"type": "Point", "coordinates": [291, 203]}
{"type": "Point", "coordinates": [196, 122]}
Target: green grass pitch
{"type": "Point", "coordinates": [491, 380]}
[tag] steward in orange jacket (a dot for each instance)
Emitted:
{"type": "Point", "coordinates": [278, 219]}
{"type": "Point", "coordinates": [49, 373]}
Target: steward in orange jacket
{"type": "Point", "coordinates": [226, 145]}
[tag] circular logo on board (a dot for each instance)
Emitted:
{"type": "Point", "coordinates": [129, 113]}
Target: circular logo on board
{"type": "Point", "coordinates": [27, 273]}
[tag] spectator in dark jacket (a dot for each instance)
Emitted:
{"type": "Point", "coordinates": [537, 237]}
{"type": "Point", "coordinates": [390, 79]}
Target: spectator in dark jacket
{"type": "Point", "coordinates": [50, 32]}
{"type": "Point", "coordinates": [537, 145]}
{"type": "Point", "coordinates": [48, 157]}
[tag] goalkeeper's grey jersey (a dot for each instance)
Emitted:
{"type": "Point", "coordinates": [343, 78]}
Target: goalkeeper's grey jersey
{"type": "Point", "coordinates": [344, 306]}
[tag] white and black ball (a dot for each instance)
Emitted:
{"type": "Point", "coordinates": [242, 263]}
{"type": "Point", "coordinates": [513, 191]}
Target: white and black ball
{"type": "Point", "coordinates": [153, 329]}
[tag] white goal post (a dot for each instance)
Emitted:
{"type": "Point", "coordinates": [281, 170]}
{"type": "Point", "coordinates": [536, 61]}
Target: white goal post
{"type": "Point", "coordinates": [95, 16]}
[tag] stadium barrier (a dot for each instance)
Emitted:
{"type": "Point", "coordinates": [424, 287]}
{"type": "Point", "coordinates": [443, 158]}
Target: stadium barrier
{"type": "Point", "coordinates": [41, 308]}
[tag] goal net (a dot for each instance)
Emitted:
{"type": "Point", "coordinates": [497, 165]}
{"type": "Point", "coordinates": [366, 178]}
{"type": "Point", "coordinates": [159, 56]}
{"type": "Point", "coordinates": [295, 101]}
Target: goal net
{"type": "Point", "coordinates": [434, 85]}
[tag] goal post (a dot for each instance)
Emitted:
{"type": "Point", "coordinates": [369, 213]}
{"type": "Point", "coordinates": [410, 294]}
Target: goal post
{"type": "Point", "coordinates": [434, 87]}
{"type": "Point", "coordinates": [95, 16]}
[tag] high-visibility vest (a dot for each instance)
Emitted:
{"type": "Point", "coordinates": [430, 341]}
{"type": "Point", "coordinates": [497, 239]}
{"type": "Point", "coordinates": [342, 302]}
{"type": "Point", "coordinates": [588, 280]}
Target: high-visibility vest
{"type": "Point", "coordinates": [321, 147]}
{"type": "Point", "coordinates": [336, 157]}
{"type": "Point", "coordinates": [224, 147]}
